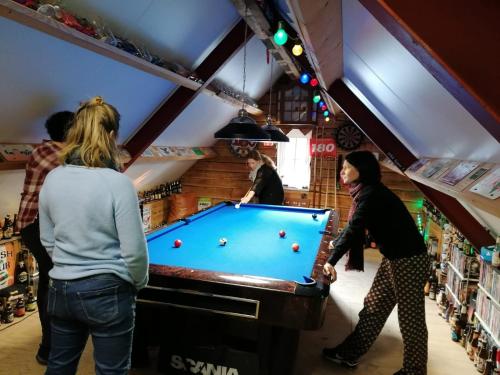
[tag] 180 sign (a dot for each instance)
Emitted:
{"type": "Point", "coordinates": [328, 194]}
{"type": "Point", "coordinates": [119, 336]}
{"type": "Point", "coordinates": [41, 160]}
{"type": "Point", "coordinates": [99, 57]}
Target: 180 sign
{"type": "Point", "coordinates": [322, 147]}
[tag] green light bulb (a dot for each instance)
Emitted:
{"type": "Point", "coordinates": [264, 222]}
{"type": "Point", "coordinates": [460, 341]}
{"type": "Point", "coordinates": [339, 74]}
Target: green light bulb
{"type": "Point", "coordinates": [280, 37]}
{"type": "Point", "coordinates": [316, 98]}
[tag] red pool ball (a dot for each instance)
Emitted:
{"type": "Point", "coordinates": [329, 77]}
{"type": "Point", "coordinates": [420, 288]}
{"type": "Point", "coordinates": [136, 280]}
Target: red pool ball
{"type": "Point", "coordinates": [177, 243]}
{"type": "Point", "coordinates": [295, 247]}
{"type": "Point", "coordinates": [282, 233]}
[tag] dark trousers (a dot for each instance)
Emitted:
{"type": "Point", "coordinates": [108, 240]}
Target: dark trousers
{"type": "Point", "coordinates": [31, 238]}
{"type": "Point", "coordinates": [398, 282]}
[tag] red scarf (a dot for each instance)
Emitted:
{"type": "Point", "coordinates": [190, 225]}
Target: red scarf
{"type": "Point", "coordinates": [355, 259]}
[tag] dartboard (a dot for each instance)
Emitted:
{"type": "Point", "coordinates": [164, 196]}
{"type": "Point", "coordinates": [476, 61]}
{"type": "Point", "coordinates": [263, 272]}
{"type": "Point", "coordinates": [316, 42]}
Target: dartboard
{"type": "Point", "coordinates": [349, 137]}
{"type": "Point", "coordinates": [242, 148]}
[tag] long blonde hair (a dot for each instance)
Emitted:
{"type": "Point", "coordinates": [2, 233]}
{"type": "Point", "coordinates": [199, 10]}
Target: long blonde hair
{"type": "Point", "coordinates": [92, 138]}
{"type": "Point", "coordinates": [257, 156]}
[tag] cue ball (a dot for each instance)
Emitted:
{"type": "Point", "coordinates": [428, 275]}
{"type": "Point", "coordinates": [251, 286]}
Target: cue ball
{"type": "Point", "coordinates": [177, 243]}
{"type": "Point", "coordinates": [282, 233]}
{"type": "Point", "coordinates": [295, 247]}
{"type": "Point", "coordinates": [222, 242]}
{"type": "Point", "coordinates": [237, 205]}
{"type": "Point", "coordinates": [315, 216]}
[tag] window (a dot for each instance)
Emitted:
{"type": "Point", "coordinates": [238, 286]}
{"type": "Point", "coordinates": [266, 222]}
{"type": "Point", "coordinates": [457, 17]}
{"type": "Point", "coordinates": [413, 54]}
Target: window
{"type": "Point", "coordinates": [295, 105]}
{"type": "Point", "coordinates": [294, 160]}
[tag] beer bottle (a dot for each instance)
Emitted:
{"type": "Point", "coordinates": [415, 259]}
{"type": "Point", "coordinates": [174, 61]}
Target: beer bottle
{"type": "Point", "coordinates": [482, 357]}
{"type": "Point", "coordinates": [21, 273]}
{"type": "Point", "coordinates": [14, 226]}
{"type": "Point", "coordinates": [7, 313]}
{"type": "Point", "coordinates": [473, 344]}
{"type": "Point", "coordinates": [20, 307]}
{"type": "Point", "coordinates": [31, 302]}
{"type": "Point", "coordinates": [455, 326]}
{"type": "Point", "coordinates": [8, 230]}
{"type": "Point", "coordinates": [468, 341]}
{"type": "Point", "coordinates": [489, 366]}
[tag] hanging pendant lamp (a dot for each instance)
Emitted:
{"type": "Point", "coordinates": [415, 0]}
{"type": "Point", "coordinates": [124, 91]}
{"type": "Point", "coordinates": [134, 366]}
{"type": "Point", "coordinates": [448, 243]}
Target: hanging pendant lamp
{"type": "Point", "coordinates": [276, 133]}
{"type": "Point", "coordinates": [243, 126]}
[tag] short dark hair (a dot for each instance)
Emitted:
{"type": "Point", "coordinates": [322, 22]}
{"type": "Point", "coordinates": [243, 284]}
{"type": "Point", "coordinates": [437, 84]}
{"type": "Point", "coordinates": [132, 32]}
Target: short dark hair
{"type": "Point", "coordinates": [367, 165]}
{"type": "Point", "coordinates": [57, 125]}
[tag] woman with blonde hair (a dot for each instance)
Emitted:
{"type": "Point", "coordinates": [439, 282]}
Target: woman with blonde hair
{"type": "Point", "coordinates": [91, 227]}
{"type": "Point", "coordinates": [267, 186]}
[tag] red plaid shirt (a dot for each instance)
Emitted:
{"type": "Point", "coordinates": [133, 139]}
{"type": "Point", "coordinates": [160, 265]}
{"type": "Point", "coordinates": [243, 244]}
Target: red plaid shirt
{"type": "Point", "coordinates": [43, 159]}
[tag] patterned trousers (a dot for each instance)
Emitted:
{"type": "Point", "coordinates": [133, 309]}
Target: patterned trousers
{"type": "Point", "coordinates": [397, 282]}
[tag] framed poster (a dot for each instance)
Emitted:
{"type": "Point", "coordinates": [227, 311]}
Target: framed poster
{"type": "Point", "coordinates": [455, 175]}
{"type": "Point", "coordinates": [417, 165]}
{"type": "Point", "coordinates": [489, 187]}
{"type": "Point", "coordinates": [435, 166]}
{"type": "Point", "coordinates": [20, 152]}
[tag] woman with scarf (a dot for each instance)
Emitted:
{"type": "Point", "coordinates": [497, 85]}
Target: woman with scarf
{"type": "Point", "coordinates": [90, 225]}
{"type": "Point", "coordinates": [267, 186]}
{"type": "Point", "coordinates": [401, 276]}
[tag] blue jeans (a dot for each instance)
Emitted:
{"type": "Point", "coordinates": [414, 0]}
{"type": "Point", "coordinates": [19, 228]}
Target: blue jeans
{"type": "Point", "coordinates": [102, 306]}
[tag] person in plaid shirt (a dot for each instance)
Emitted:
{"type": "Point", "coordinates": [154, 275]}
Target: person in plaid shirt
{"type": "Point", "coordinates": [43, 159]}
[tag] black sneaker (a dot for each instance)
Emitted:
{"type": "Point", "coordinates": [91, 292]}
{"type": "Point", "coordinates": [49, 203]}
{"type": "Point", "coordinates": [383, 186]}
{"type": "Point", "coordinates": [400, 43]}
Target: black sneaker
{"type": "Point", "coordinates": [41, 360]}
{"type": "Point", "coordinates": [332, 355]}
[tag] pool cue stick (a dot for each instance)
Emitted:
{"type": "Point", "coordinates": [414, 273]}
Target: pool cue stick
{"type": "Point", "coordinates": [335, 184]}
{"type": "Point", "coordinates": [327, 181]}
{"type": "Point", "coordinates": [321, 155]}
{"type": "Point", "coordinates": [315, 132]}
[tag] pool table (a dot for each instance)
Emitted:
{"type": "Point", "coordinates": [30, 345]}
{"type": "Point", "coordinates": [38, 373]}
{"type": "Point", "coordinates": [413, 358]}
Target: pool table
{"type": "Point", "coordinates": [256, 275]}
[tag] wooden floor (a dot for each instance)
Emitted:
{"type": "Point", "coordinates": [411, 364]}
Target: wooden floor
{"type": "Point", "coordinates": [19, 342]}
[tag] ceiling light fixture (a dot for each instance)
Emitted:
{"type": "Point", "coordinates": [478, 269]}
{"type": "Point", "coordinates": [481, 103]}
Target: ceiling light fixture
{"type": "Point", "coordinates": [243, 126]}
{"type": "Point", "coordinates": [276, 133]}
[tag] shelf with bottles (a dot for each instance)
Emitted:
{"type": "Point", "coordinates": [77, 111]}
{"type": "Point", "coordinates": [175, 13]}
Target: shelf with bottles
{"type": "Point", "coordinates": [460, 287]}
{"type": "Point", "coordinates": [488, 329]}
{"type": "Point", "coordinates": [16, 301]}
{"type": "Point", "coordinates": [464, 262]}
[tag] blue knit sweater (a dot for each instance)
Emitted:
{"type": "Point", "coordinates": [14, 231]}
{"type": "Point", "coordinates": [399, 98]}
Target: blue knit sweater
{"type": "Point", "coordinates": [90, 224]}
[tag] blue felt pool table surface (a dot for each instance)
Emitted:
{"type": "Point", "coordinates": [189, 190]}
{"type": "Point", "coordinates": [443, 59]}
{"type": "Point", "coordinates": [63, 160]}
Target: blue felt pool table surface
{"type": "Point", "coordinates": [254, 247]}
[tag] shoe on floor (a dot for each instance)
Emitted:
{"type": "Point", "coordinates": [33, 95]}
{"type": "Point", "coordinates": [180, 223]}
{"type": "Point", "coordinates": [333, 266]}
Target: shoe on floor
{"type": "Point", "coordinates": [332, 355]}
{"type": "Point", "coordinates": [42, 356]}
{"type": "Point", "coordinates": [41, 360]}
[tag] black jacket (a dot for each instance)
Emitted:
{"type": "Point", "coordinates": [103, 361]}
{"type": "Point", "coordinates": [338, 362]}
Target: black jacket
{"type": "Point", "coordinates": [382, 213]}
{"type": "Point", "coordinates": [268, 187]}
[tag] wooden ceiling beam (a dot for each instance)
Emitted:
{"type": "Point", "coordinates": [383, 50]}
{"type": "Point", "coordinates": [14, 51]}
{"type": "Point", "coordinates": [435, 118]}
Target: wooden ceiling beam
{"type": "Point", "coordinates": [458, 45]}
{"type": "Point", "coordinates": [403, 158]}
{"type": "Point", "coordinates": [257, 21]}
{"type": "Point", "coordinates": [182, 97]}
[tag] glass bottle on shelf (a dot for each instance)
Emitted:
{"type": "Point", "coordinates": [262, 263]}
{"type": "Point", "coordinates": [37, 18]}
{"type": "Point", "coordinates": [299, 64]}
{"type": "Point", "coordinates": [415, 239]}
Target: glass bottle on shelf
{"type": "Point", "coordinates": [31, 301]}
{"type": "Point", "coordinates": [20, 307]}
{"type": "Point", "coordinates": [7, 313]}
{"type": "Point", "coordinates": [8, 229]}
{"type": "Point", "coordinates": [482, 356]}
{"type": "Point", "coordinates": [21, 273]}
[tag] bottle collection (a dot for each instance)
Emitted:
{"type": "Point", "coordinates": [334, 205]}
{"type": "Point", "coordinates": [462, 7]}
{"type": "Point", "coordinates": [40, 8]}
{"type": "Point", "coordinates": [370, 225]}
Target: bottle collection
{"type": "Point", "coordinates": [19, 298]}
{"type": "Point", "coordinates": [460, 281]}
{"type": "Point", "coordinates": [161, 191]}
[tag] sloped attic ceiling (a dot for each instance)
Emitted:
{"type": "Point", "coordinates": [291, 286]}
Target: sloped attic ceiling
{"type": "Point", "coordinates": [42, 74]}
{"type": "Point", "coordinates": [418, 99]}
